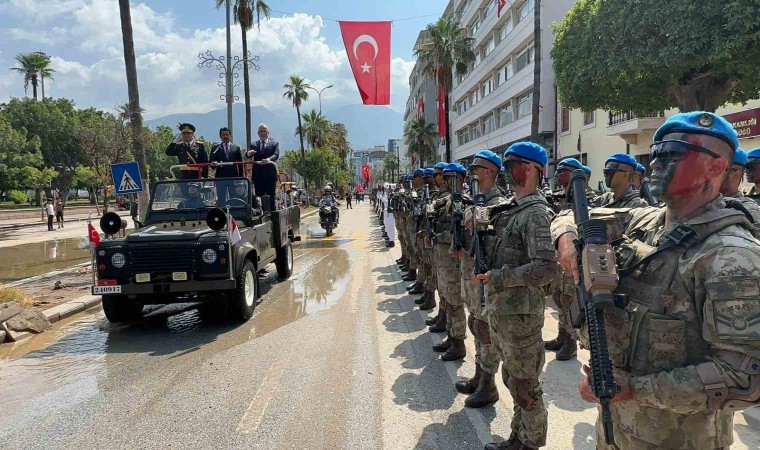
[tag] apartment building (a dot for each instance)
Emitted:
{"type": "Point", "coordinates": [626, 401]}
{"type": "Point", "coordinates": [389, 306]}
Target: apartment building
{"type": "Point", "coordinates": [492, 103]}
{"type": "Point", "coordinates": [398, 147]}
{"type": "Point", "coordinates": [593, 136]}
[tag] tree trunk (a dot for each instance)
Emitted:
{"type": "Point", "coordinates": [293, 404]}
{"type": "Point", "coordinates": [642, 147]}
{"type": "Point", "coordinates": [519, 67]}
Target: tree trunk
{"type": "Point", "coordinates": [42, 85]}
{"type": "Point", "coordinates": [135, 117]}
{"type": "Point", "coordinates": [303, 152]}
{"type": "Point", "coordinates": [34, 85]}
{"type": "Point", "coordinates": [448, 128]}
{"type": "Point", "coordinates": [536, 107]}
{"type": "Point", "coordinates": [247, 89]}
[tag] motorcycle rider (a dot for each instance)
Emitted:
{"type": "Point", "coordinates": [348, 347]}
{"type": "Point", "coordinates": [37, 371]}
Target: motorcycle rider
{"type": "Point", "coordinates": [329, 196]}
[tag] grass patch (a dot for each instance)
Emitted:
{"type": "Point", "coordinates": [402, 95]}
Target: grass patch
{"type": "Point", "coordinates": [14, 294]}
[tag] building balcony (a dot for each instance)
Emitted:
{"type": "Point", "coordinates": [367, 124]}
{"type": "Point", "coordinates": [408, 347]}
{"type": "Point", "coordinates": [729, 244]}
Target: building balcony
{"type": "Point", "coordinates": [628, 125]}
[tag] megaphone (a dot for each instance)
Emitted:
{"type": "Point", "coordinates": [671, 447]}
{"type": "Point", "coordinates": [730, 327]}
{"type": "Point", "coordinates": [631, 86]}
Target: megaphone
{"type": "Point", "coordinates": [110, 223]}
{"type": "Point", "coordinates": [216, 219]}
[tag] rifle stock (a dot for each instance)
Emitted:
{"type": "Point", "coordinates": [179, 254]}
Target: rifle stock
{"type": "Point", "coordinates": [478, 247]}
{"type": "Point", "coordinates": [596, 264]}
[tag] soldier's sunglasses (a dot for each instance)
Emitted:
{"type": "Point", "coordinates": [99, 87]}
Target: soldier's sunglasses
{"type": "Point", "coordinates": [508, 163]}
{"type": "Point", "coordinates": [672, 149]}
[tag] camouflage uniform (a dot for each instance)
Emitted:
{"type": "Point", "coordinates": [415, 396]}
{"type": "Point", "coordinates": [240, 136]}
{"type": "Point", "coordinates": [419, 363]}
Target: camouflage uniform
{"type": "Point", "coordinates": [630, 199]}
{"type": "Point", "coordinates": [750, 205]}
{"type": "Point", "coordinates": [563, 287]}
{"type": "Point", "coordinates": [410, 226]}
{"type": "Point", "coordinates": [486, 353]}
{"type": "Point", "coordinates": [429, 247]}
{"type": "Point", "coordinates": [522, 263]}
{"type": "Point", "coordinates": [689, 334]}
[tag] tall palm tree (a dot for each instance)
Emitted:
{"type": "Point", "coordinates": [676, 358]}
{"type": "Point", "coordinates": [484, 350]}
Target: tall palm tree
{"type": "Point", "coordinates": [315, 128]}
{"type": "Point", "coordinates": [295, 91]}
{"type": "Point", "coordinates": [420, 138]}
{"type": "Point", "coordinates": [124, 113]}
{"type": "Point", "coordinates": [536, 106]}
{"type": "Point", "coordinates": [446, 50]}
{"type": "Point", "coordinates": [243, 13]}
{"type": "Point", "coordinates": [32, 66]}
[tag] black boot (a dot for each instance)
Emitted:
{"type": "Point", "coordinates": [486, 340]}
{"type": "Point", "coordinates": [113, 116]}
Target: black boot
{"type": "Point", "coordinates": [513, 443]}
{"type": "Point", "coordinates": [556, 343]}
{"type": "Point", "coordinates": [568, 351]}
{"type": "Point", "coordinates": [429, 302]}
{"type": "Point", "coordinates": [430, 321]}
{"type": "Point", "coordinates": [422, 299]}
{"type": "Point", "coordinates": [471, 385]}
{"type": "Point", "coordinates": [418, 288]}
{"type": "Point", "coordinates": [443, 346]}
{"type": "Point", "coordinates": [411, 276]}
{"type": "Point", "coordinates": [440, 325]}
{"type": "Point", "coordinates": [457, 350]}
{"type": "Point", "coordinates": [414, 285]}
{"type": "Point", "coordinates": [485, 394]}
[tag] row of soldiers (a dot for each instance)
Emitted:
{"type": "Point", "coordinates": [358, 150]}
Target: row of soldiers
{"type": "Point", "coordinates": [684, 339]}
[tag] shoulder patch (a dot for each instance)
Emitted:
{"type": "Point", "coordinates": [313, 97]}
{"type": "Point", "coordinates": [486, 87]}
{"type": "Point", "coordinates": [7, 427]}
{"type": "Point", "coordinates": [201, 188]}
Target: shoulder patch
{"type": "Point", "coordinates": [736, 307]}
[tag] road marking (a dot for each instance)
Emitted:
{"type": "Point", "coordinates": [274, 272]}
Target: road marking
{"type": "Point", "coordinates": [252, 418]}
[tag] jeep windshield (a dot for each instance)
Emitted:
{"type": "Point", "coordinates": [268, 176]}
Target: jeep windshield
{"type": "Point", "coordinates": [192, 195]}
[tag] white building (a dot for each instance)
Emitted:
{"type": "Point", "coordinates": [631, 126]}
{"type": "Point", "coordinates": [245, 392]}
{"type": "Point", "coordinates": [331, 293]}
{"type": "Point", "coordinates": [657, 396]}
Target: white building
{"type": "Point", "coordinates": [398, 147]}
{"type": "Point", "coordinates": [491, 104]}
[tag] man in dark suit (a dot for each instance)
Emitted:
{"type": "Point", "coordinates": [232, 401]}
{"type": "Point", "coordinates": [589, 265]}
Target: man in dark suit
{"type": "Point", "coordinates": [264, 176]}
{"type": "Point", "coordinates": [226, 152]}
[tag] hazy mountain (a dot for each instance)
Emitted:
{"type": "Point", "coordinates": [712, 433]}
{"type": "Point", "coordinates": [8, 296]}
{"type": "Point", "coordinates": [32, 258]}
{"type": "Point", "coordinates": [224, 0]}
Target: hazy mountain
{"type": "Point", "coordinates": [367, 125]}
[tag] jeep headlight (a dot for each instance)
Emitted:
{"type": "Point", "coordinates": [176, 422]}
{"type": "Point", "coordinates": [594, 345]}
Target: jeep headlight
{"type": "Point", "coordinates": [209, 256]}
{"type": "Point", "coordinates": [118, 260]}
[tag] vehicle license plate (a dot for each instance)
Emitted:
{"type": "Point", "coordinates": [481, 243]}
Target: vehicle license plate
{"type": "Point", "coordinates": [100, 290]}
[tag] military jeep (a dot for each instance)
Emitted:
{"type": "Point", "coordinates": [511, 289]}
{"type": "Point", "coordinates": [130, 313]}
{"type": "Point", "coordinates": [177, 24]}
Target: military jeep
{"type": "Point", "coordinates": [194, 247]}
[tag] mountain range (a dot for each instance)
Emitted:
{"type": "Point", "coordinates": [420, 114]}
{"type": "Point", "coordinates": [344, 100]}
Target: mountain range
{"type": "Point", "coordinates": [367, 126]}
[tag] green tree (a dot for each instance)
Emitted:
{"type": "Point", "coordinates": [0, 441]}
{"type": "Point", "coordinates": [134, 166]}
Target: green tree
{"type": "Point", "coordinates": [391, 165]}
{"type": "Point", "coordinates": [651, 55]}
{"type": "Point", "coordinates": [317, 165]}
{"type": "Point", "coordinates": [85, 177]}
{"type": "Point", "coordinates": [40, 180]}
{"type": "Point", "coordinates": [445, 50]}
{"type": "Point", "coordinates": [17, 150]}
{"type": "Point", "coordinates": [315, 128]}
{"type": "Point", "coordinates": [31, 66]}
{"type": "Point", "coordinates": [420, 138]}
{"type": "Point", "coordinates": [336, 139]}
{"type": "Point", "coordinates": [295, 92]}
{"type": "Point", "coordinates": [159, 163]}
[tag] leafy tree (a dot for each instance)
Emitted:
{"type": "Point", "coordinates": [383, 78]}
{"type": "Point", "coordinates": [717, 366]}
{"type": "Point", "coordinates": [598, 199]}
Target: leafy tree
{"type": "Point", "coordinates": [17, 150]}
{"type": "Point", "coordinates": [295, 91]}
{"type": "Point", "coordinates": [446, 50]}
{"type": "Point", "coordinates": [31, 66]}
{"type": "Point", "coordinates": [420, 138]}
{"type": "Point", "coordinates": [315, 128]}
{"type": "Point", "coordinates": [652, 55]}
{"type": "Point", "coordinates": [85, 177]}
{"type": "Point", "coordinates": [336, 139]}
{"type": "Point", "coordinates": [38, 179]}
{"type": "Point", "coordinates": [390, 166]}
{"type": "Point", "coordinates": [318, 165]}
{"type": "Point", "coordinates": [158, 162]}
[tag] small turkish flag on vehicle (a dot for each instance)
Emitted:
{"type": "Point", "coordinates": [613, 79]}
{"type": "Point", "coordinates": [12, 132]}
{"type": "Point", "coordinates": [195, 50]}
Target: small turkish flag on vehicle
{"type": "Point", "coordinates": [235, 236]}
{"type": "Point", "coordinates": [368, 45]}
{"type": "Point", "coordinates": [94, 235]}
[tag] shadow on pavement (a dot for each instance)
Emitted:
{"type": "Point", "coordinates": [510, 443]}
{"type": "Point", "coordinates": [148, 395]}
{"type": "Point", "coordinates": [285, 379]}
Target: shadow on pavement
{"type": "Point", "coordinates": [456, 434]}
{"type": "Point", "coordinates": [584, 436]}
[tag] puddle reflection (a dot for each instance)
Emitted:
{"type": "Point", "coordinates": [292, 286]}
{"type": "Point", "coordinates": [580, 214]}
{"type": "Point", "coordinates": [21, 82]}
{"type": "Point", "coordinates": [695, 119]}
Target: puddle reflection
{"type": "Point", "coordinates": [28, 260]}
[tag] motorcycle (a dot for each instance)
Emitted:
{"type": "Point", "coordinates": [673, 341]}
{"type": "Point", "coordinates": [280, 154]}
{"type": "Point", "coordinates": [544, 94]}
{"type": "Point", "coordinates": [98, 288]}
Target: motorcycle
{"type": "Point", "coordinates": [328, 216]}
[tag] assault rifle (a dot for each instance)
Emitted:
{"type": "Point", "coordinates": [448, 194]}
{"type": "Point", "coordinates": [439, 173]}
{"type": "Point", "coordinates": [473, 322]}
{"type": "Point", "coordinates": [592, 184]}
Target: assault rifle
{"type": "Point", "coordinates": [646, 192]}
{"type": "Point", "coordinates": [417, 210]}
{"type": "Point", "coordinates": [478, 250]}
{"type": "Point", "coordinates": [599, 279]}
{"type": "Point", "coordinates": [457, 215]}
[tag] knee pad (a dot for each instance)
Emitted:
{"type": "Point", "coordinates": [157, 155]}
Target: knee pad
{"type": "Point", "coordinates": [524, 392]}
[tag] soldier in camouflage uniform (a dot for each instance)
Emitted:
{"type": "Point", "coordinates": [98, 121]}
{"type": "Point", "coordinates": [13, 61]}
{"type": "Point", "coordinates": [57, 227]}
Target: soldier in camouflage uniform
{"type": "Point", "coordinates": [619, 170]}
{"type": "Point", "coordinates": [481, 388]}
{"type": "Point", "coordinates": [425, 248]}
{"type": "Point", "coordinates": [753, 171]}
{"type": "Point", "coordinates": [521, 263]}
{"type": "Point", "coordinates": [685, 349]}
{"type": "Point", "coordinates": [638, 175]}
{"type": "Point", "coordinates": [730, 187]}
{"type": "Point", "coordinates": [414, 257]}
{"type": "Point", "coordinates": [438, 322]}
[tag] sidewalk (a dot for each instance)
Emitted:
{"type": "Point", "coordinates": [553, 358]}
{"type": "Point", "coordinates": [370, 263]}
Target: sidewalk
{"type": "Point", "coordinates": [10, 224]}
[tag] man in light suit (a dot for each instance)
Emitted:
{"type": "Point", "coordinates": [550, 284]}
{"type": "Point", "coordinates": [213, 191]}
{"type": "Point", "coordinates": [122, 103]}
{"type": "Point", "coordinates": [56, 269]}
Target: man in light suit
{"type": "Point", "coordinates": [226, 152]}
{"type": "Point", "coordinates": [264, 176]}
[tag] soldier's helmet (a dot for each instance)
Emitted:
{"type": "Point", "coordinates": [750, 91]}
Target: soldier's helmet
{"type": "Point", "coordinates": [328, 188]}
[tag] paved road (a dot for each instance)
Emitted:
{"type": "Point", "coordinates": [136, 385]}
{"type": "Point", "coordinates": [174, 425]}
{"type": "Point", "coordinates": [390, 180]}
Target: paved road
{"type": "Point", "coordinates": [336, 357]}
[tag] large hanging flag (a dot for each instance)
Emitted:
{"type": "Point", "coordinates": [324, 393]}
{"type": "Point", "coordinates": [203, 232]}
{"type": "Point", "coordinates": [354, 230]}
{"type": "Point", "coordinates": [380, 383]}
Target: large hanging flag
{"type": "Point", "coordinates": [442, 125]}
{"type": "Point", "coordinates": [368, 45]}
{"type": "Point", "coordinates": [501, 5]}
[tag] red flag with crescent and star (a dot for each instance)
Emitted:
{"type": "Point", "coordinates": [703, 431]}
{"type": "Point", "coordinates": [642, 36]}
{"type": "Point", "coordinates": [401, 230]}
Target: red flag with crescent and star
{"type": "Point", "coordinates": [368, 45]}
{"type": "Point", "coordinates": [94, 236]}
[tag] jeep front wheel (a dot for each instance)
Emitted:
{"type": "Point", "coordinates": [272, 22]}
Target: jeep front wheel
{"type": "Point", "coordinates": [284, 261]}
{"type": "Point", "coordinates": [118, 308]}
{"type": "Point", "coordinates": [243, 298]}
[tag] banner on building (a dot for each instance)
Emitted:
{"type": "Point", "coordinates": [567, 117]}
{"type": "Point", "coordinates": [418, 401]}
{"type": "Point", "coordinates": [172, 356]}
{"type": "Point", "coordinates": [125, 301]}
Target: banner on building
{"type": "Point", "coordinates": [367, 175]}
{"type": "Point", "coordinates": [368, 45]}
{"type": "Point", "coordinates": [442, 125]}
{"type": "Point", "coordinates": [746, 123]}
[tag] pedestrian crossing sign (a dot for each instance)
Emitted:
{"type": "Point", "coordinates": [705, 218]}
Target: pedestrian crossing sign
{"type": "Point", "coordinates": [126, 178]}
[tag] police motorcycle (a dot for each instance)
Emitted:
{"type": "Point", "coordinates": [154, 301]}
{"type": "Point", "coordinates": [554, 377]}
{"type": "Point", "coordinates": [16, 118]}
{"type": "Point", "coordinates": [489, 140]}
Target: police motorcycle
{"type": "Point", "coordinates": [328, 211]}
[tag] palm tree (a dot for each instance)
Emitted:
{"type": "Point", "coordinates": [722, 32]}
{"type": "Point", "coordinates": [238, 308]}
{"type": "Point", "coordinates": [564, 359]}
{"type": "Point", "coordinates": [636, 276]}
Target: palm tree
{"type": "Point", "coordinates": [243, 13]}
{"type": "Point", "coordinates": [535, 107]}
{"type": "Point", "coordinates": [446, 50]}
{"type": "Point", "coordinates": [295, 91]}
{"type": "Point", "coordinates": [33, 66]}
{"type": "Point", "coordinates": [420, 138]}
{"type": "Point", "coordinates": [124, 113]}
{"type": "Point", "coordinates": [315, 128]}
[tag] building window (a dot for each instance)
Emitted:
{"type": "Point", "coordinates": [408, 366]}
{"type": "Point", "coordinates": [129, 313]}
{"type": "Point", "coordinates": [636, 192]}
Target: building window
{"type": "Point", "coordinates": [499, 77]}
{"type": "Point", "coordinates": [488, 48]}
{"type": "Point", "coordinates": [588, 118]}
{"type": "Point", "coordinates": [472, 100]}
{"type": "Point", "coordinates": [474, 130]}
{"type": "Point", "coordinates": [565, 120]}
{"type": "Point", "coordinates": [506, 29]}
{"type": "Point", "coordinates": [461, 107]}
{"type": "Point", "coordinates": [474, 27]}
{"type": "Point", "coordinates": [524, 10]}
{"type": "Point", "coordinates": [505, 115]}
{"type": "Point", "coordinates": [478, 58]}
{"type": "Point", "coordinates": [477, 96]}
{"type": "Point", "coordinates": [509, 71]}
{"type": "Point", "coordinates": [488, 124]}
{"type": "Point", "coordinates": [486, 88]}
{"type": "Point", "coordinates": [524, 58]}
{"type": "Point", "coordinates": [524, 105]}
{"type": "Point", "coordinates": [489, 8]}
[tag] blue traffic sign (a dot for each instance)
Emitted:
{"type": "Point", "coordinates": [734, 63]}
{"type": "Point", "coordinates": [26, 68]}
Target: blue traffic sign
{"type": "Point", "coordinates": [126, 178]}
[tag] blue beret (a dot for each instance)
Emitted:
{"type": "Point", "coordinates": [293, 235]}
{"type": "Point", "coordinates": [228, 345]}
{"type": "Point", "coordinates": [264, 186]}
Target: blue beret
{"type": "Point", "coordinates": [699, 122]}
{"type": "Point", "coordinates": [417, 173]}
{"type": "Point", "coordinates": [428, 171]}
{"type": "Point", "coordinates": [622, 158]}
{"type": "Point", "coordinates": [528, 150]}
{"type": "Point", "coordinates": [587, 169]}
{"type": "Point", "coordinates": [570, 162]}
{"type": "Point", "coordinates": [455, 167]}
{"type": "Point", "coordinates": [754, 153]}
{"type": "Point", "coordinates": [490, 156]}
{"type": "Point", "coordinates": [640, 168]}
{"type": "Point", "coordinates": [740, 157]}
{"type": "Point", "coordinates": [441, 165]}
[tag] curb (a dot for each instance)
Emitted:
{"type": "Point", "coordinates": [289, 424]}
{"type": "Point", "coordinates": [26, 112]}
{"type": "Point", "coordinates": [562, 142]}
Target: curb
{"type": "Point", "coordinates": [35, 224]}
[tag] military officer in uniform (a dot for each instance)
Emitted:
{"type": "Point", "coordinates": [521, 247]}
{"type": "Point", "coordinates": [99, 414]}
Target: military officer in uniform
{"type": "Point", "coordinates": [619, 170]}
{"type": "Point", "coordinates": [730, 187]}
{"type": "Point", "coordinates": [188, 150]}
{"type": "Point", "coordinates": [481, 388]}
{"type": "Point", "coordinates": [522, 263]}
{"type": "Point", "coordinates": [684, 349]}
{"type": "Point", "coordinates": [753, 171]}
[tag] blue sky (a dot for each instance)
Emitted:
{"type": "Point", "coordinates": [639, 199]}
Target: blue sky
{"type": "Point", "coordinates": [84, 39]}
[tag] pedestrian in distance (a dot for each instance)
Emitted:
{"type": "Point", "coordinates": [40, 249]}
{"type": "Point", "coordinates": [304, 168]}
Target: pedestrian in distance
{"type": "Point", "coordinates": [59, 213]}
{"type": "Point", "coordinates": [50, 210]}
{"type": "Point", "coordinates": [348, 200]}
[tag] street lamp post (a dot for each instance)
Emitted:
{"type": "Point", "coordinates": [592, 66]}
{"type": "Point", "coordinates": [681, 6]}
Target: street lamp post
{"type": "Point", "coordinates": [228, 71]}
{"type": "Point", "coordinates": [319, 94]}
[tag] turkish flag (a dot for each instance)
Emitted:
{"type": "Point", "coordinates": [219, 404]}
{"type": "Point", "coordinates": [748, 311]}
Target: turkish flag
{"type": "Point", "coordinates": [94, 235]}
{"type": "Point", "coordinates": [441, 112]}
{"type": "Point", "coordinates": [368, 45]}
{"type": "Point", "coordinates": [421, 107]}
{"type": "Point", "coordinates": [502, 4]}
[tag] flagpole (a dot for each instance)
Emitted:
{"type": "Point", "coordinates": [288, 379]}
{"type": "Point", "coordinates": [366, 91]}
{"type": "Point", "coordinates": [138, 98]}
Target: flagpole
{"type": "Point", "coordinates": [229, 240]}
{"type": "Point", "coordinates": [92, 248]}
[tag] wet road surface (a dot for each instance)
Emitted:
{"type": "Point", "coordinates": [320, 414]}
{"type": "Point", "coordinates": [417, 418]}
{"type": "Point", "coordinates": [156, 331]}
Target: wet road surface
{"type": "Point", "coordinates": [335, 357]}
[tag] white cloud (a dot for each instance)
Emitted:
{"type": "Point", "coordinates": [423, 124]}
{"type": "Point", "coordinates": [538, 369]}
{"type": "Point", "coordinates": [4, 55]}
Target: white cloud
{"type": "Point", "coordinates": [88, 32]}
